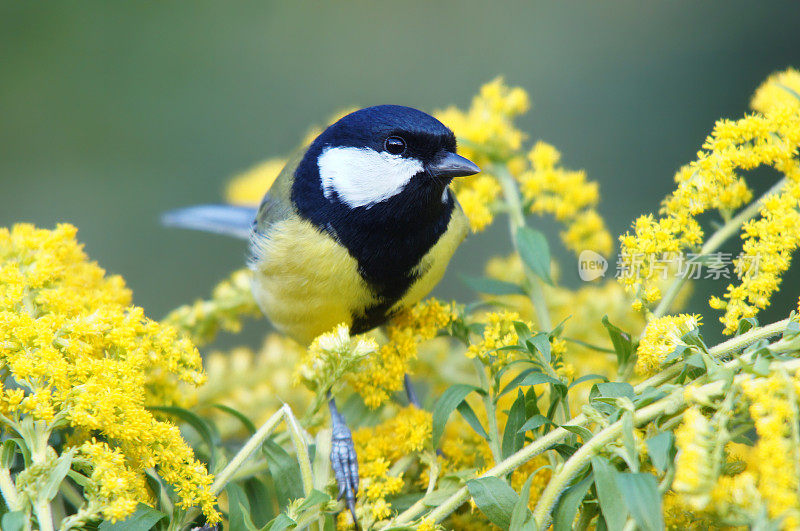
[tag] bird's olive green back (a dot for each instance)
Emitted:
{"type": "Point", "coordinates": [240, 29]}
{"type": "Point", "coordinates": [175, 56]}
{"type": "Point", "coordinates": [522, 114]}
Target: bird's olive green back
{"type": "Point", "coordinates": [277, 203]}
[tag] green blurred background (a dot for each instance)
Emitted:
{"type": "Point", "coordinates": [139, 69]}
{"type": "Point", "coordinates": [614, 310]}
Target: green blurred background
{"type": "Point", "coordinates": [113, 112]}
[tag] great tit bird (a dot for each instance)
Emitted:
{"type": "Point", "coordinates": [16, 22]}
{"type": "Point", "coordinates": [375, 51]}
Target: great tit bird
{"type": "Point", "coordinates": [357, 227]}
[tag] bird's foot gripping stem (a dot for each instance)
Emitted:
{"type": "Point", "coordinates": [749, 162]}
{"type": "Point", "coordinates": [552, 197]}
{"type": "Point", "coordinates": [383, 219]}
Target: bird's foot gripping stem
{"type": "Point", "coordinates": [411, 393]}
{"type": "Point", "coordinates": [343, 459]}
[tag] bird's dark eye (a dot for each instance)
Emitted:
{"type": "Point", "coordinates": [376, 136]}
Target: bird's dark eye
{"type": "Point", "coordinates": [395, 145]}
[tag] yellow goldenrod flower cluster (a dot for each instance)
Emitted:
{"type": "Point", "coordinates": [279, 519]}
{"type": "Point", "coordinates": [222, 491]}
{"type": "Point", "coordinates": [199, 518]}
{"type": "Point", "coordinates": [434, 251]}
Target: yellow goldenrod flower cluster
{"type": "Point", "coordinates": [581, 310]}
{"type": "Point", "coordinates": [476, 199]}
{"type": "Point", "coordinates": [333, 356]}
{"type": "Point", "coordinates": [382, 374]}
{"type": "Point", "coordinates": [694, 464]}
{"type": "Point", "coordinates": [499, 332]}
{"type": "Point", "coordinates": [74, 354]}
{"type": "Point", "coordinates": [231, 300]}
{"type": "Point", "coordinates": [661, 337]}
{"type": "Point", "coordinates": [776, 464]}
{"type": "Point", "coordinates": [772, 240]}
{"type": "Point", "coordinates": [731, 482]}
{"type": "Point", "coordinates": [487, 131]}
{"type": "Point", "coordinates": [770, 137]}
{"type": "Point", "coordinates": [779, 93]}
{"type": "Point", "coordinates": [566, 195]}
{"type": "Point", "coordinates": [486, 135]}
{"type": "Point", "coordinates": [379, 449]}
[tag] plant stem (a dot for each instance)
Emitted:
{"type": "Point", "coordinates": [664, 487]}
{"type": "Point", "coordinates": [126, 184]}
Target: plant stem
{"type": "Point", "coordinates": [727, 347]}
{"type": "Point", "coordinates": [9, 490]}
{"type": "Point", "coordinates": [44, 516]}
{"type": "Point", "coordinates": [516, 219]}
{"type": "Point", "coordinates": [491, 411]}
{"type": "Point", "coordinates": [252, 444]}
{"type": "Point", "coordinates": [714, 242]}
{"type": "Point", "coordinates": [672, 403]}
{"type": "Point", "coordinates": [585, 453]}
{"type": "Point", "coordinates": [301, 449]}
{"type": "Point", "coordinates": [559, 434]}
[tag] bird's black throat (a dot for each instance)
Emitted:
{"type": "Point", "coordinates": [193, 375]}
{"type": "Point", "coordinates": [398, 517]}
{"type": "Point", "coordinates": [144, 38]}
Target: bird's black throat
{"type": "Point", "coordinates": [387, 239]}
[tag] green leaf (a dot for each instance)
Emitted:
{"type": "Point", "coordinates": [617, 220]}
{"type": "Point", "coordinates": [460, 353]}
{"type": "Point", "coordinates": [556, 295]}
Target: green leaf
{"type": "Point", "coordinates": [660, 449]}
{"type": "Point", "coordinates": [516, 381]}
{"type": "Point", "coordinates": [472, 419]}
{"type": "Point", "coordinates": [494, 498]}
{"type": "Point", "coordinates": [621, 340]}
{"type": "Point", "coordinates": [534, 422]}
{"type": "Point", "coordinates": [564, 514]}
{"type": "Point", "coordinates": [203, 428]}
{"type": "Point", "coordinates": [285, 473]}
{"type": "Point", "coordinates": [57, 474]}
{"type": "Point", "coordinates": [580, 431]}
{"type": "Point", "coordinates": [587, 378]}
{"type": "Point", "coordinates": [640, 493]}
{"type": "Point", "coordinates": [13, 521]}
{"type": "Point", "coordinates": [438, 496]}
{"type": "Point", "coordinates": [281, 522]}
{"type": "Point", "coordinates": [491, 286]}
{"type": "Point", "coordinates": [315, 497]}
{"type": "Point", "coordinates": [248, 424]}
{"type": "Point", "coordinates": [7, 453]}
{"type": "Point", "coordinates": [445, 405]}
{"type": "Point", "coordinates": [629, 441]}
{"type": "Point", "coordinates": [536, 378]}
{"type": "Point", "coordinates": [512, 439]}
{"type": "Point", "coordinates": [522, 329]}
{"type": "Point", "coordinates": [521, 516]}
{"type": "Point", "coordinates": [541, 342]}
{"type": "Point", "coordinates": [238, 508]}
{"type": "Point", "coordinates": [143, 519]}
{"type": "Point", "coordinates": [262, 500]}
{"type": "Point", "coordinates": [614, 511]}
{"type": "Point", "coordinates": [616, 390]}
{"type": "Point", "coordinates": [534, 251]}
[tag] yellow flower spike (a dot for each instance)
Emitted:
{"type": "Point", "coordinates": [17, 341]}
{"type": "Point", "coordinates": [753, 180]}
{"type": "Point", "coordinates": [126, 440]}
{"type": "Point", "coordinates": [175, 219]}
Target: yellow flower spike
{"type": "Point", "coordinates": [80, 352]}
{"type": "Point", "coordinates": [766, 254]}
{"type": "Point", "coordinates": [499, 332]}
{"type": "Point", "coordinates": [661, 337]}
{"type": "Point", "coordinates": [780, 92]}
{"type": "Point", "coordinates": [333, 356]}
{"type": "Point", "coordinates": [382, 374]}
{"type": "Point", "coordinates": [487, 134]}
{"type": "Point", "coordinates": [711, 182]}
{"type": "Point", "coordinates": [378, 448]}
{"type": "Point", "coordinates": [231, 301]}
{"type": "Point", "coordinates": [773, 407]}
{"type": "Point", "coordinates": [567, 196]}
{"type": "Point", "coordinates": [693, 474]}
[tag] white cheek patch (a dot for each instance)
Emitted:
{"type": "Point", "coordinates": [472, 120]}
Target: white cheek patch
{"type": "Point", "coordinates": [363, 176]}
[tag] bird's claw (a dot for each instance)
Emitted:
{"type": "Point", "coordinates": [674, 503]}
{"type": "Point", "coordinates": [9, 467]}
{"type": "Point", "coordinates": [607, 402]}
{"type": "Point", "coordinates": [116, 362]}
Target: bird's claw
{"type": "Point", "coordinates": [344, 461]}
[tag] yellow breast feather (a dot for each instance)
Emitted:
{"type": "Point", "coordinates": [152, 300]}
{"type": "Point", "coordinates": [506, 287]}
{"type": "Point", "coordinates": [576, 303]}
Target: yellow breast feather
{"type": "Point", "coordinates": [305, 282]}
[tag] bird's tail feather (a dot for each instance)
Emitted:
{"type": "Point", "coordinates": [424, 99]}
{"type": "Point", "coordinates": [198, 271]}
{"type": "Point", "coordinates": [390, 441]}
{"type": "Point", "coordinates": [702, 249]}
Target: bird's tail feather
{"type": "Point", "coordinates": [230, 220]}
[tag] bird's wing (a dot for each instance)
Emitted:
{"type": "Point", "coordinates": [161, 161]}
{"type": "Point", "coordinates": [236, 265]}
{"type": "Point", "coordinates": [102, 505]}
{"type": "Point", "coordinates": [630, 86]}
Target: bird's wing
{"type": "Point", "coordinates": [277, 203]}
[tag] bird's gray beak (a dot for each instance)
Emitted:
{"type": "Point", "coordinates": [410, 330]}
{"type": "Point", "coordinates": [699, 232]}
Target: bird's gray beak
{"type": "Point", "coordinates": [449, 165]}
